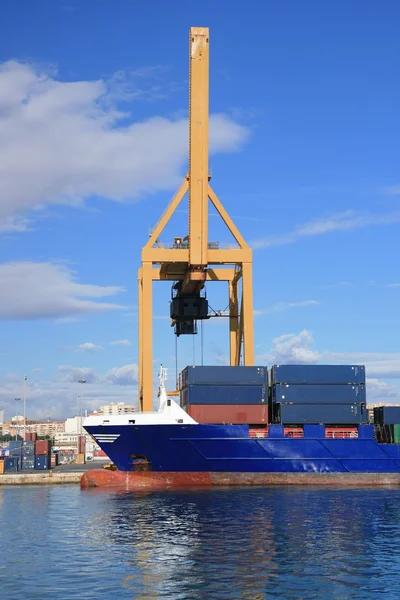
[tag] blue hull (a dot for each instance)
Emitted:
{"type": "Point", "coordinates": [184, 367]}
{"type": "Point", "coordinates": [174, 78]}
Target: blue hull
{"type": "Point", "coordinates": [228, 448]}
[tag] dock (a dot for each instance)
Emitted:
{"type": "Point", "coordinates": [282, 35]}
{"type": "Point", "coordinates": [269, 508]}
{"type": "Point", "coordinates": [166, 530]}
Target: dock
{"type": "Point", "coordinates": [42, 478]}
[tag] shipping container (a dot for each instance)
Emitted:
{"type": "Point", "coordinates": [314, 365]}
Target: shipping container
{"type": "Point", "coordinates": [27, 464]}
{"type": "Point", "coordinates": [1, 466]}
{"type": "Point", "coordinates": [11, 464]}
{"type": "Point", "coordinates": [28, 437]}
{"type": "Point", "coordinates": [222, 375]}
{"type": "Point", "coordinates": [42, 447]}
{"type": "Point", "coordinates": [232, 414]}
{"type": "Point", "coordinates": [387, 415]}
{"type": "Point", "coordinates": [318, 394]}
{"type": "Point", "coordinates": [34, 436]}
{"type": "Point", "coordinates": [331, 414]}
{"type": "Point", "coordinates": [15, 447]}
{"type": "Point", "coordinates": [42, 462]}
{"type": "Point", "coordinates": [224, 394]}
{"type": "Point", "coordinates": [28, 448]}
{"type": "Point", "coordinates": [80, 458]}
{"type": "Point", "coordinates": [318, 374]}
{"type": "Point", "coordinates": [54, 460]}
{"type": "Point", "coordinates": [81, 444]}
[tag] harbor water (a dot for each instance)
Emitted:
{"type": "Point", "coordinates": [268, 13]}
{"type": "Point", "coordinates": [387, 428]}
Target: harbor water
{"type": "Point", "coordinates": [59, 543]}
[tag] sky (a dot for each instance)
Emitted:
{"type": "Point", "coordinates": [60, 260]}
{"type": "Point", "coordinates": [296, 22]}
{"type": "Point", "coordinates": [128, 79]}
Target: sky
{"type": "Point", "coordinates": [304, 152]}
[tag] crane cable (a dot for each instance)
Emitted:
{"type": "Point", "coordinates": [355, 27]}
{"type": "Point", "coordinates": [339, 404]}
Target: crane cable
{"type": "Point", "coordinates": [176, 362]}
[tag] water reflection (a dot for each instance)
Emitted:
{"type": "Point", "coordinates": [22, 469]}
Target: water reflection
{"type": "Point", "coordinates": [252, 544]}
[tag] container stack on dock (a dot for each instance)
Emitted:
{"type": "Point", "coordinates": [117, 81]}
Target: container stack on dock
{"type": "Point", "coordinates": [42, 458]}
{"type": "Point", "coordinates": [318, 394]}
{"type": "Point", "coordinates": [219, 394]}
{"type": "Point", "coordinates": [387, 424]}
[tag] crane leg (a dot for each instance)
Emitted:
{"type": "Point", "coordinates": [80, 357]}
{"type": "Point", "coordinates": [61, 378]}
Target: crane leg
{"type": "Point", "coordinates": [247, 314]}
{"type": "Point", "coordinates": [147, 337]}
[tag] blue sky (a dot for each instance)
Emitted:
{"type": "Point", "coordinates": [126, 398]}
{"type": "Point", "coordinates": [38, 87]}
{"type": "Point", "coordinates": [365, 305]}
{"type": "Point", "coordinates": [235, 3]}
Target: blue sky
{"type": "Point", "coordinates": [304, 136]}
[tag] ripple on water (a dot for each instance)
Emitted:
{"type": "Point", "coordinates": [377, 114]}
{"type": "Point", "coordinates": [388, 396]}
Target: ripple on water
{"type": "Point", "coordinates": [252, 544]}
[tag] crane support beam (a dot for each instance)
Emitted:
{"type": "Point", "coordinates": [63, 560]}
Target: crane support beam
{"type": "Point", "coordinates": [211, 275]}
{"type": "Point", "coordinates": [171, 208]}
{"type": "Point", "coordinates": [198, 145]}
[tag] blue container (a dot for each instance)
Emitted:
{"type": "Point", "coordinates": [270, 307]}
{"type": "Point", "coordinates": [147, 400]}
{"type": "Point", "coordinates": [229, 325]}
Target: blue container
{"type": "Point", "coordinates": [221, 375]}
{"type": "Point", "coordinates": [15, 448]}
{"type": "Point", "coordinates": [224, 394]}
{"type": "Point", "coordinates": [42, 462]}
{"type": "Point", "coordinates": [11, 464]}
{"type": "Point", "coordinates": [329, 414]}
{"type": "Point", "coordinates": [28, 448]}
{"type": "Point", "coordinates": [318, 374]}
{"type": "Point", "coordinates": [318, 394]}
{"type": "Point", "coordinates": [388, 415]}
{"type": "Point", "coordinates": [28, 464]}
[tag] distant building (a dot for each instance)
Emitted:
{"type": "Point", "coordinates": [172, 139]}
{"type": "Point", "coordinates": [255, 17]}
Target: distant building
{"type": "Point", "coordinates": [114, 408]}
{"type": "Point", "coordinates": [46, 428]}
{"type": "Point", "coordinates": [1, 416]}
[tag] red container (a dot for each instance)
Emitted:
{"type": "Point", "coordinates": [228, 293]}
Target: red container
{"type": "Point", "coordinates": [341, 432]}
{"type": "Point", "coordinates": [235, 414]}
{"type": "Point", "coordinates": [33, 436]}
{"type": "Point", "coordinates": [293, 432]}
{"type": "Point", "coordinates": [42, 447]}
{"type": "Point", "coordinates": [81, 444]}
{"type": "Point", "coordinates": [28, 437]}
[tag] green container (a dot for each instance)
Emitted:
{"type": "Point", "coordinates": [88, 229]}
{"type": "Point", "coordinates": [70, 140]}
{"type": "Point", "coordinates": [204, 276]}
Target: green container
{"type": "Point", "coordinates": [396, 434]}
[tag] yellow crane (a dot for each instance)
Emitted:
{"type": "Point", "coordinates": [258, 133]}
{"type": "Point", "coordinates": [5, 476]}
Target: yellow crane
{"type": "Point", "coordinates": [192, 261]}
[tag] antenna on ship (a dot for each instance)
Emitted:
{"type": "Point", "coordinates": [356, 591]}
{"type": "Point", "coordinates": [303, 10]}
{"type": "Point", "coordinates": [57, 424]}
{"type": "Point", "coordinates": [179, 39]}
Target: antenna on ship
{"type": "Point", "coordinates": [162, 376]}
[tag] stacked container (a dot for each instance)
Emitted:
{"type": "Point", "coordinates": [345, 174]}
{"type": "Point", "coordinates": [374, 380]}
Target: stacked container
{"type": "Point", "coordinates": [11, 464]}
{"type": "Point", "coordinates": [42, 458]}
{"type": "Point", "coordinates": [318, 394]}
{"type": "Point", "coordinates": [387, 422]}
{"type": "Point", "coordinates": [219, 394]}
{"type": "Point", "coordinates": [28, 456]}
{"type": "Point", "coordinates": [15, 449]}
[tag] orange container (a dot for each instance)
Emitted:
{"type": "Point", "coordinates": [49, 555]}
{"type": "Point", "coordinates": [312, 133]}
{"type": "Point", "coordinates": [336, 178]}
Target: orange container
{"type": "Point", "coordinates": [42, 447]}
{"type": "Point", "coordinates": [235, 414]}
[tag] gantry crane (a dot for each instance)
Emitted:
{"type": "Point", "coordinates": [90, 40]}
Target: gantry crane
{"type": "Point", "coordinates": [192, 261]}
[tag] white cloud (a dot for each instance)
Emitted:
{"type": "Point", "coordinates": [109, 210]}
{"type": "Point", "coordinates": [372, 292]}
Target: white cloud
{"type": "Point", "coordinates": [56, 397]}
{"type": "Point", "coordinates": [62, 142]}
{"type": "Point", "coordinates": [126, 375]}
{"type": "Point", "coordinates": [297, 348]}
{"type": "Point", "coordinates": [281, 306]}
{"type": "Point", "coordinates": [380, 391]}
{"type": "Point", "coordinates": [89, 347]}
{"type": "Point", "coordinates": [344, 221]}
{"type": "Point", "coordinates": [30, 290]}
{"type": "Point", "coordinates": [14, 224]}
{"type": "Point", "coordinates": [393, 285]}
{"type": "Point", "coordinates": [391, 190]}
{"type": "Point", "coordinates": [121, 343]}
{"type": "Point", "coordinates": [292, 348]}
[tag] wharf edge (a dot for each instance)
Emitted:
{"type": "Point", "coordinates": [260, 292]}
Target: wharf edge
{"type": "Point", "coordinates": [149, 480]}
{"type": "Point", "coordinates": [44, 478]}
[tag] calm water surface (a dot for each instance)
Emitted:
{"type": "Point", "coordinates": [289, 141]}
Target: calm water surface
{"type": "Point", "coordinates": [62, 543]}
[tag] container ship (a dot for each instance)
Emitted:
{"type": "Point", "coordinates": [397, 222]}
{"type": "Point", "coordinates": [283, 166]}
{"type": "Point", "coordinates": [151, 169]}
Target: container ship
{"type": "Point", "coordinates": [253, 425]}
{"type": "Point", "coordinates": [239, 423]}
